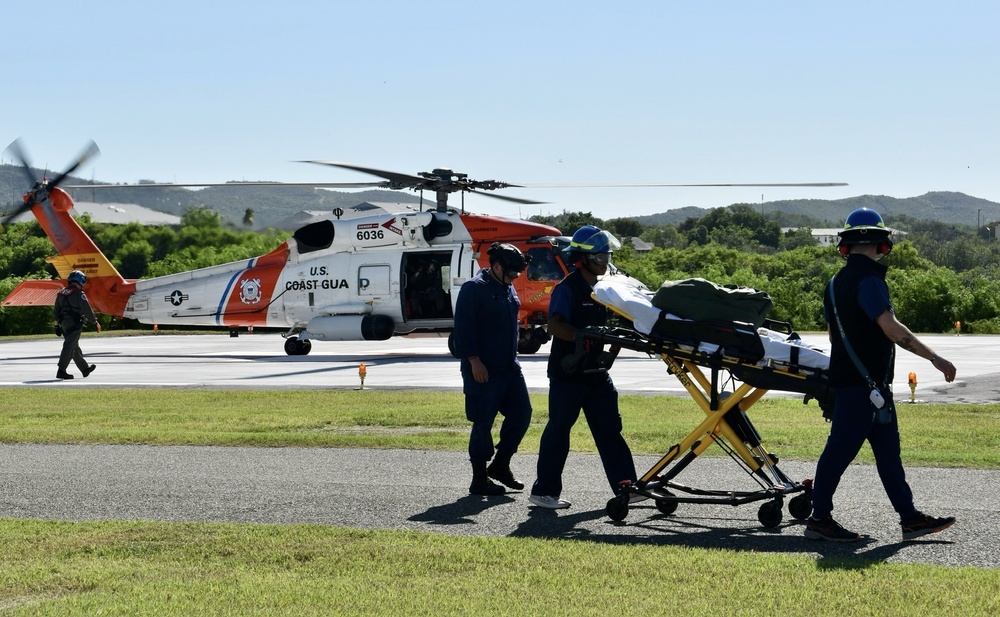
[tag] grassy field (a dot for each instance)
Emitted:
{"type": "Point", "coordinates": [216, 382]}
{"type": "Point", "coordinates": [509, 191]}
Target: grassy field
{"type": "Point", "coordinates": [933, 435]}
{"type": "Point", "coordinates": [145, 568]}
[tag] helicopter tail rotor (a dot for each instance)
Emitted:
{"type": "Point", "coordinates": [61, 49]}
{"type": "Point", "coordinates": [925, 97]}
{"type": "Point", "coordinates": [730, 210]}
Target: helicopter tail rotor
{"type": "Point", "coordinates": [39, 189]}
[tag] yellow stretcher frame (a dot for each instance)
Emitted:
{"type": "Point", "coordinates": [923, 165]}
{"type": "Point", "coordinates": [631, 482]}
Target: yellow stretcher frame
{"type": "Point", "coordinates": [726, 424]}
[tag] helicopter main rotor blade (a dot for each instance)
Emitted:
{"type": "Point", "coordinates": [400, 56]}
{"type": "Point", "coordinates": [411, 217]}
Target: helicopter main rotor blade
{"type": "Point", "coordinates": [721, 184]}
{"type": "Point", "coordinates": [318, 185]}
{"type": "Point", "coordinates": [391, 176]}
{"type": "Point", "coordinates": [517, 200]}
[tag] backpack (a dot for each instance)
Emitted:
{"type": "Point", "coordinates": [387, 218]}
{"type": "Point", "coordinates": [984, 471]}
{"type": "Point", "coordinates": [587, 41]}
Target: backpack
{"type": "Point", "coordinates": [698, 299]}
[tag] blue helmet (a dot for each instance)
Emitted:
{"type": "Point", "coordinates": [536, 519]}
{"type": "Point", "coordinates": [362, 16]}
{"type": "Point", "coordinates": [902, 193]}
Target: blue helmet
{"type": "Point", "coordinates": [77, 277]}
{"type": "Point", "coordinates": [864, 226]}
{"type": "Point", "coordinates": [591, 240]}
{"type": "Point", "coordinates": [863, 218]}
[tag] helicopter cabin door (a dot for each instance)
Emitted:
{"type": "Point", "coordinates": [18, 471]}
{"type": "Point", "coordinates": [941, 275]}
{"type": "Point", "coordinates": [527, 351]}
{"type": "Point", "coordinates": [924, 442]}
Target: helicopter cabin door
{"type": "Point", "coordinates": [427, 291]}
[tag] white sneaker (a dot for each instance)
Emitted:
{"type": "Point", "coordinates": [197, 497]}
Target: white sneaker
{"type": "Point", "coordinates": [544, 501]}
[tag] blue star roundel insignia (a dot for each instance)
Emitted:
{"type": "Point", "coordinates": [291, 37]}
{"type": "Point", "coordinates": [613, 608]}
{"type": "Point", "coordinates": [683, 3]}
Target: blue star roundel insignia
{"type": "Point", "coordinates": [176, 298]}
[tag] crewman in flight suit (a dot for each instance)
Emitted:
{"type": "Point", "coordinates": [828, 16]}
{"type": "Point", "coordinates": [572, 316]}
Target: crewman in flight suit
{"type": "Point", "coordinates": [485, 339]}
{"type": "Point", "coordinates": [71, 311]}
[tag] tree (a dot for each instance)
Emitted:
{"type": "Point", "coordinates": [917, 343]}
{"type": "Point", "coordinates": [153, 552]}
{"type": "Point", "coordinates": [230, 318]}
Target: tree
{"type": "Point", "coordinates": [569, 222]}
{"type": "Point", "coordinates": [625, 228]}
{"type": "Point", "coordinates": [794, 238]}
{"type": "Point", "coordinates": [248, 218]}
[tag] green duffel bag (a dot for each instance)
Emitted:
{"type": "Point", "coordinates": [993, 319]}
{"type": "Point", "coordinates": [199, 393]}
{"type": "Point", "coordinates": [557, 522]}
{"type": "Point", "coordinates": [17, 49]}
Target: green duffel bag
{"type": "Point", "coordinates": [700, 299]}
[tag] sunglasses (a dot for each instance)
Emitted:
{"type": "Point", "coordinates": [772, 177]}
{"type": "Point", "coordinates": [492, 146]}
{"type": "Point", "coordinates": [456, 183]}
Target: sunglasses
{"type": "Point", "coordinates": [513, 274]}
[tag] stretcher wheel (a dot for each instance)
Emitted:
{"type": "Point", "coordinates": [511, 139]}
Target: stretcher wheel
{"type": "Point", "coordinates": [800, 506]}
{"type": "Point", "coordinates": [769, 514]}
{"type": "Point", "coordinates": [664, 506]}
{"type": "Point", "coordinates": [617, 508]}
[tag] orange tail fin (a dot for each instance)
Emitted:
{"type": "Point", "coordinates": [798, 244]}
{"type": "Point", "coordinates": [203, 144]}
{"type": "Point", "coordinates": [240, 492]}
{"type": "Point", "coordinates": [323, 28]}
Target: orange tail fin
{"type": "Point", "coordinates": [107, 291]}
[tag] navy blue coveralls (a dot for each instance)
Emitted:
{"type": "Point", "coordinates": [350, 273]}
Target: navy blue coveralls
{"type": "Point", "coordinates": [71, 311]}
{"type": "Point", "coordinates": [594, 392]}
{"type": "Point", "coordinates": [486, 326]}
{"type": "Point", "coordinates": [861, 295]}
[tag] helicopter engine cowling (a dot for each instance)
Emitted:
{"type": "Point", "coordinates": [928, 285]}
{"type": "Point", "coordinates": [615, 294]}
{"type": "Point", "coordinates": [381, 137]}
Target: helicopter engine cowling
{"type": "Point", "coordinates": [351, 328]}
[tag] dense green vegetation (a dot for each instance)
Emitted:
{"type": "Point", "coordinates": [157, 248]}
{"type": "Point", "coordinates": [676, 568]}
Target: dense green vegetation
{"type": "Point", "coordinates": [939, 273]}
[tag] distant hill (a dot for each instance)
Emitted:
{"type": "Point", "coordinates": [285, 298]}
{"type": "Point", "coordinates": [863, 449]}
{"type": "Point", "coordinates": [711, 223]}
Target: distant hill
{"type": "Point", "coordinates": [272, 205]}
{"type": "Point", "coordinates": [941, 206]}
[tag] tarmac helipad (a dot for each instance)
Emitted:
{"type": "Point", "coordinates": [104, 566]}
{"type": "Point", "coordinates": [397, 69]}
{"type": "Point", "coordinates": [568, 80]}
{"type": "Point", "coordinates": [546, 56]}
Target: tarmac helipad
{"type": "Point", "coordinates": [258, 361]}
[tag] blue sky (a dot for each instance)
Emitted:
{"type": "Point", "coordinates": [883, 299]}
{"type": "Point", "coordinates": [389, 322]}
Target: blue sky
{"type": "Point", "coordinates": [895, 98]}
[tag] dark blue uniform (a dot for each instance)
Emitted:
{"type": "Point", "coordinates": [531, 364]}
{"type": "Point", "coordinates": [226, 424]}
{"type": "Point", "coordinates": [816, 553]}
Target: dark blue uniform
{"type": "Point", "coordinates": [861, 295]}
{"type": "Point", "coordinates": [486, 326]}
{"type": "Point", "coordinates": [569, 392]}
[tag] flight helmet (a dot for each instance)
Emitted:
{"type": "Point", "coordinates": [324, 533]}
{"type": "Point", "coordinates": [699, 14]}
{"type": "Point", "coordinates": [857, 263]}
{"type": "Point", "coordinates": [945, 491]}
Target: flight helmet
{"type": "Point", "coordinates": [864, 226]}
{"type": "Point", "coordinates": [77, 277]}
{"type": "Point", "coordinates": [510, 258]}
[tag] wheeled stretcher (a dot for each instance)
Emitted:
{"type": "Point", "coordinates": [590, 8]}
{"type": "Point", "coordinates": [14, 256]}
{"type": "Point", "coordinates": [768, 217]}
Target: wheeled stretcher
{"type": "Point", "coordinates": [705, 356]}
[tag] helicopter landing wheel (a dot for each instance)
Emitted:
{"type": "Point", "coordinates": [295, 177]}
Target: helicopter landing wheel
{"type": "Point", "coordinates": [294, 346]}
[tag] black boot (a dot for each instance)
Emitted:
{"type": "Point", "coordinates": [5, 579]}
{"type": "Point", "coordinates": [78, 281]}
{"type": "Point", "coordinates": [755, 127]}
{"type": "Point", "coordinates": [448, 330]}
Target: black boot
{"type": "Point", "coordinates": [500, 471]}
{"type": "Point", "coordinates": [481, 484]}
{"type": "Point", "coordinates": [63, 375]}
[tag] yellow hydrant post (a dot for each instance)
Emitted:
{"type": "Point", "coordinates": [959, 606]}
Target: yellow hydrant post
{"type": "Point", "coordinates": [362, 371]}
{"type": "Point", "coordinates": [912, 379]}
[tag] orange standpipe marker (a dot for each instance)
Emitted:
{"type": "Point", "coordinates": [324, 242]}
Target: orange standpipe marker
{"type": "Point", "coordinates": [362, 371]}
{"type": "Point", "coordinates": [912, 379]}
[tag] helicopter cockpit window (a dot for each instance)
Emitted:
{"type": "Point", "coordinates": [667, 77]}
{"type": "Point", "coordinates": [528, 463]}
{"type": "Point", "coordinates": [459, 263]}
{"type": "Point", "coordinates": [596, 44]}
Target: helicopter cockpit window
{"type": "Point", "coordinates": [314, 236]}
{"type": "Point", "coordinates": [543, 266]}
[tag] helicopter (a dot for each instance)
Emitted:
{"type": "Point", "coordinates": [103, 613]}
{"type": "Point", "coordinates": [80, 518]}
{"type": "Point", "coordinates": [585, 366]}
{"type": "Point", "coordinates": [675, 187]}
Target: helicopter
{"type": "Point", "coordinates": [367, 277]}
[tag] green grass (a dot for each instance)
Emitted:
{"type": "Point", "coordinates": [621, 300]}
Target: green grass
{"type": "Point", "coordinates": [933, 435]}
{"type": "Point", "coordinates": [128, 568]}
{"type": "Point", "coordinates": [140, 568]}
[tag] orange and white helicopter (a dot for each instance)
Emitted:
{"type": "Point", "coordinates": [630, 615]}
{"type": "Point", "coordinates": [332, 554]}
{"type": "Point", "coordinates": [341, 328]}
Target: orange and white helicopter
{"type": "Point", "coordinates": [363, 278]}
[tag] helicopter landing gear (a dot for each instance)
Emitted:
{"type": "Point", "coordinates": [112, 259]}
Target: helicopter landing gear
{"type": "Point", "coordinates": [294, 346]}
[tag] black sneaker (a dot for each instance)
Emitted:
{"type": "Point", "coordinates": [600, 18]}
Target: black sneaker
{"type": "Point", "coordinates": [921, 525]}
{"type": "Point", "coordinates": [829, 530]}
